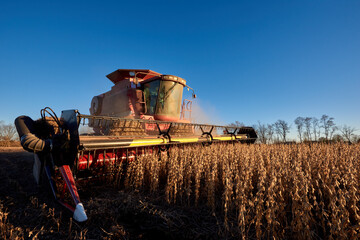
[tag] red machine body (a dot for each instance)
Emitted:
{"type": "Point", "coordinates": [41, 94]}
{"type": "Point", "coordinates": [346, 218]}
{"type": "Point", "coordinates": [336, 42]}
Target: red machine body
{"type": "Point", "coordinates": [141, 94]}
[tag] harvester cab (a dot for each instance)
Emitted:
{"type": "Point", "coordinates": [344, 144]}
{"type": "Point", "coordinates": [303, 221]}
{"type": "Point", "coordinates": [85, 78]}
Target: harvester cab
{"type": "Point", "coordinates": [141, 115]}
{"type": "Point", "coordinates": [140, 93]}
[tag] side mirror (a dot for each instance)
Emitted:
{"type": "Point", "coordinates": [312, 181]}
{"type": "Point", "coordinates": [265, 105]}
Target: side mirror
{"type": "Point", "coordinates": [193, 92]}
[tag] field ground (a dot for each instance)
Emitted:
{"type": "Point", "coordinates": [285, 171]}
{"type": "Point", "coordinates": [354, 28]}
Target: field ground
{"type": "Point", "coordinates": [300, 191]}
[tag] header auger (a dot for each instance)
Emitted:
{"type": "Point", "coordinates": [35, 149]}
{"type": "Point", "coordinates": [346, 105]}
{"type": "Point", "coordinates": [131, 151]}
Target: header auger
{"type": "Point", "coordinates": [140, 115]}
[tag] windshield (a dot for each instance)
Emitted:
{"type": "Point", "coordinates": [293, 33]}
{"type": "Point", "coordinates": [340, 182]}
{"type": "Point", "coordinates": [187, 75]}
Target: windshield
{"type": "Point", "coordinates": [169, 101]}
{"type": "Point", "coordinates": [163, 98]}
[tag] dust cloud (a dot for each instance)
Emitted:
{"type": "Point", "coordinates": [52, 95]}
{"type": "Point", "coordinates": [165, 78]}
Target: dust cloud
{"type": "Point", "coordinates": [205, 114]}
{"type": "Point", "coordinates": [85, 130]}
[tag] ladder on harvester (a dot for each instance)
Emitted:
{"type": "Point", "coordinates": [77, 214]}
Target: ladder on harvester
{"type": "Point", "coordinates": [186, 107]}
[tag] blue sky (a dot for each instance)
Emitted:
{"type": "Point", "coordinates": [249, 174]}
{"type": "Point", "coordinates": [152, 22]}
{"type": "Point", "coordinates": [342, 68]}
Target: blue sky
{"type": "Point", "coordinates": [247, 60]}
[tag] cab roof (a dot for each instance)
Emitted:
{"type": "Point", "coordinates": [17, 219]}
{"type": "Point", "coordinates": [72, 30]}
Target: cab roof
{"type": "Point", "coordinates": [122, 74]}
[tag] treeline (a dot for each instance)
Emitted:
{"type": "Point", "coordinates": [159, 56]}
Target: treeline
{"type": "Point", "coordinates": [7, 131]}
{"type": "Point", "coordinates": [308, 129]}
{"type": "Point", "coordinates": [8, 135]}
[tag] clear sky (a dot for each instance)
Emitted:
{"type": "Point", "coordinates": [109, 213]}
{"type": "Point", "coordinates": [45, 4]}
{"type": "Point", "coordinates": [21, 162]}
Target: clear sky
{"type": "Point", "coordinates": [247, 60]}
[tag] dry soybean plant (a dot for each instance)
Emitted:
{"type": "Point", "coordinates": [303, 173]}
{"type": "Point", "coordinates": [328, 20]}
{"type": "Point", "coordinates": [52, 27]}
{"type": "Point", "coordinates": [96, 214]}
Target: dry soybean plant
{"type": "Point", "coordinates": [260, 191]}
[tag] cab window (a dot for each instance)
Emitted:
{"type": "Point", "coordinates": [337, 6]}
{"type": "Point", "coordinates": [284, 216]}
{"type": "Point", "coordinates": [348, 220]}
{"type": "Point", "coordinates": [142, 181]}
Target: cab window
{"type": "Point", "coordinates": [151, 90]}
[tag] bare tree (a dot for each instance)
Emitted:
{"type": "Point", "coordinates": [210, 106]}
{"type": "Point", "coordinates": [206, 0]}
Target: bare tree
{"type": "Point", "coordinates": [270, 132]}
{"type": "Point", "coordinates": [337, 138]}
{"type": "Point", "coordinates": [307, 122]}
{"type": "Point", "coordinates": [328, 125]}
{"type": "Point", "coordinates": [332, 131]}
{"type": "Point", "coordinates": [356, 139]}
{"type": "Point", "coordinates": [7, 131]}
{"type": "Point", "coordinates": [316, 128]}
{"type": "Point", "coordinates": [347, 132]}
{"type": "Point", "coordinates": [1, 130]}
{"type": "Point", "coordinates": [299, 122]}
{"type": "Point", "coordinates": [282, 128]}
{"type": "Point", "coordinates": [261, 130]}
{"type": "Point", "coordinates": [236, 124]}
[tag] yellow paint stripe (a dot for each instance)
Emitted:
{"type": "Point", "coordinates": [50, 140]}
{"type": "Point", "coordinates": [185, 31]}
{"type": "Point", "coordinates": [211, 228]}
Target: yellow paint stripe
{"type": "Point", "coordinates": [241, 137]}
{"type": "Point", "coordinates": [145, 142]}
{"type": "Point", "coordinates": [224, 138]}
{"type": "Point", "coordinates": [185, 140]}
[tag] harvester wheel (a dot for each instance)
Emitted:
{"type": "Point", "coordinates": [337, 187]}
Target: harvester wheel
{"type": "Point", "coordinates": [96, 105]}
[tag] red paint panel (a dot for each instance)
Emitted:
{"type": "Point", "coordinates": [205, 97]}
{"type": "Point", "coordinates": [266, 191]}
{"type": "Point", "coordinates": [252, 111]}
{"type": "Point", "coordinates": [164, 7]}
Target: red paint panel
{"type": "Point", "coordinates": [101, 159]}
{"type": "Point", "coordinates": [70, 182]}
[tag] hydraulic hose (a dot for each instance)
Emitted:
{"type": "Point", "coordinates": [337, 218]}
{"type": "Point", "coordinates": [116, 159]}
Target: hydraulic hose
{"type": "Point", "coordinates": [29, 141]}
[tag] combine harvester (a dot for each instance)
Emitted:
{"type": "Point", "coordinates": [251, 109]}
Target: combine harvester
{"type": "Point", "coordinates": [142, 114]}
